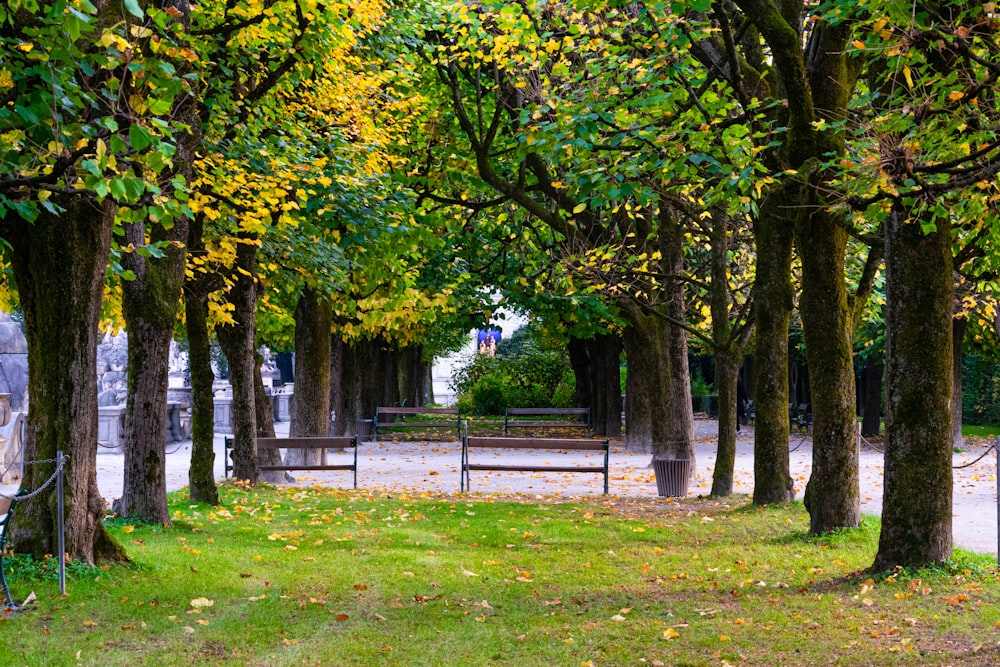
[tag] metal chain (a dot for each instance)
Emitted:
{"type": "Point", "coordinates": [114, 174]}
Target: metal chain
{"type": "Point", "coordinates": [52, 478]}
{"type": "Point", "coordinates": [980, 458]}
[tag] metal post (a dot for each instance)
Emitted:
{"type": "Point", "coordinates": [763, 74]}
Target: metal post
{"type": "Point", "coordinates": [61, 537]}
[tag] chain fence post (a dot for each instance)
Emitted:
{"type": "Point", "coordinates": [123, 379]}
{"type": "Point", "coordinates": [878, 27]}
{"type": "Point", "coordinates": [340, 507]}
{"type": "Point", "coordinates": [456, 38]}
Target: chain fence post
{"type": "Point", "coordinates": [60, 502]}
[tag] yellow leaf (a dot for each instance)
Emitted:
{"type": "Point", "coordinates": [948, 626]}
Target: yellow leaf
{"type": "Point", "coordinates": [908, 76]}
{"type": "Point", "coordinates": [198, 603]}
{"type": "Point", "coordinates": [858, 44]}
{"type": "Point", "coordinates": [579, 208]}
{"type": "Point", "coordinates": [956, 95]}
{"type": "Point", "coordinates": [670, 633]}
{"type": "Point", "coordinates": [128, 529]}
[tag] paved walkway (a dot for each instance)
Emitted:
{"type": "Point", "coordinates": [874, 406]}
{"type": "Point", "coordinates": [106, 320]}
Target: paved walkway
{"type": "Point", "coordinates": [434, 467]}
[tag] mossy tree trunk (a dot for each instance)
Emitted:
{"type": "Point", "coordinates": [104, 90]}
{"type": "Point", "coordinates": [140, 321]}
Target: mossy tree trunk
{"type": "Point", "coordinates": [773, 298]}
{"type": "Point", "coordinates": [237, 342]}
{"type": "Point", "coordinates": [311, 404]}
{"type": "Point", "coordinates": [727, 371]}
{"type": "Point", "coordinates": [59, 265]}
{"type": "Point", "coordinates": [149, 305]}
{"type": "Point", "coordinates": [917, 500]}
{"type": "Point", "coordinates": [201, 474]}
{"type": "Point", "coordinates": [833, 494]}
{"type": "Point", "coordinates": [658, 411]}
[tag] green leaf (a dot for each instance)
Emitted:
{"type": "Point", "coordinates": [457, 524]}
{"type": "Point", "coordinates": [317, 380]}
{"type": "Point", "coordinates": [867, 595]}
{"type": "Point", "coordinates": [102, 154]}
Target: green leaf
{"type": "Point", "coordinates": [133, 8]}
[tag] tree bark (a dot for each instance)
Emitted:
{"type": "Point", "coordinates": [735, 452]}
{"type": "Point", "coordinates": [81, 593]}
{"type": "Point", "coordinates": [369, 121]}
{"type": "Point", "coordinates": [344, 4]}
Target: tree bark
{"type": "Point", "coordinates": [311, 404]}
{"type": "Point", "coordinates": [772, 307]}
{"type": "Point", "coordinates": [727, 371]}
{"type": "Point", "coordinates": [833, 493]}
{"type": "Point", "coordinates": [59, 264]}
{"type": "Point", "coordinates": [414, 376]}
{"type": "Point", "coordinates": [201, 474]}
{"type": "Point", "coordinates": [958, 338]}
{"type": "Point", "coordinates": [237, 342]}
{"type": "Point", "coordinates": [338, 425]}
{"type": "Point", "coordinates": [871, 421]}
{"type": "Point", "coordinates": [149, 305]}
{"type": "Point", "coordinates": [596, 366]}
{"type": "Point", "coordinates": [659, 415]}
{"type": "Point", "coordinates": [917, 501]}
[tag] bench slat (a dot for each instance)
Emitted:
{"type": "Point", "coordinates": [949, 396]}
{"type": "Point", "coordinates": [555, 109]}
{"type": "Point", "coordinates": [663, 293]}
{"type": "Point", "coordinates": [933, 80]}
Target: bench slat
{"type": "Point", "coordinates": [548, 411]}
{"type": "Point", "coordinates": [329, 467]}
{"type": "Point", "coordinates": [526, 468]}
{"type": "Point", "coordinates": [342, 442]}
{"type": "Point", "coordinates": [536, 443]}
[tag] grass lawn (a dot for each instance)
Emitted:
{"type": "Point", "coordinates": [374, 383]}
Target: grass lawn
{"type": "Point", "coordinates": [311, 576]}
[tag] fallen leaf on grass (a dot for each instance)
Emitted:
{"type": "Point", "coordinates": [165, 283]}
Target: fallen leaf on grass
{"type": "Point", "coordinates": [198, 603]}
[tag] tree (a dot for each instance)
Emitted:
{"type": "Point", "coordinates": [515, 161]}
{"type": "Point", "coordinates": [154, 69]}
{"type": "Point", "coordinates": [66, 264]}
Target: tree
{"type": "Point", "coordinates": [86, 93]}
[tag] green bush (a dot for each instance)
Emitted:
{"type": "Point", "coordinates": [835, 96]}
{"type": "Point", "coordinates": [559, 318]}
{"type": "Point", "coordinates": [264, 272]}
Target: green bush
{"type": "Point", "coordinates": [980, 390]}
{"type": "Point", "coordinates": [519, 376]}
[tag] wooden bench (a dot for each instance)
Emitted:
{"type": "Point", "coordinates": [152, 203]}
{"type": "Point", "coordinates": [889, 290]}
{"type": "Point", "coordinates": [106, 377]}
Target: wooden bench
{"type": "Point", "coordinates": [482, 442]}
{"type": "Point", "coordinates": [320, 443]}
{"type": "Point", "coordinates": [385, 420]}
{"type": "Point", "coordinates": [535, 418]}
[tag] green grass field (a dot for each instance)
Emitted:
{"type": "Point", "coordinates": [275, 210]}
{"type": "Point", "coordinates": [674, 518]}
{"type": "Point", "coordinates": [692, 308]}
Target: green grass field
{"type": "Point", "coordinates": [310, 576]}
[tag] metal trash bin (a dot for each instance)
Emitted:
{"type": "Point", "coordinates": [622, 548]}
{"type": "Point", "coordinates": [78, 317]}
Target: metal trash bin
{"type": "Point", "coordinates": [363, 429]}
{"type": "Point", "coordinates": [672, 477]}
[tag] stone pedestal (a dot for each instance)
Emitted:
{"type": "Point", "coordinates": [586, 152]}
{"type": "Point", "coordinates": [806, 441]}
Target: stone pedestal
{"type": "Point", "coordinates": [110, 426]}
{"type": "Point", "coordinates": [223, 415]}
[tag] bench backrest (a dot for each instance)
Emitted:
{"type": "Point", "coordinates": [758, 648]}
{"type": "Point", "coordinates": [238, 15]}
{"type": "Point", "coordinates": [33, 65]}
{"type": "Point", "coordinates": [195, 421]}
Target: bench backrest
{"type": "Point", "coordinates": [317, 442]}
{"type": "Point", "coordinates": [415, 411]}
{"type": "Point", "coordinates": [536, 443]}
{"type": "Point", "coordinates": [548, 411]}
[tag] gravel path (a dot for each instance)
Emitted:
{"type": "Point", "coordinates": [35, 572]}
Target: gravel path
{"type": "Point", "coordinates": [434, 467]}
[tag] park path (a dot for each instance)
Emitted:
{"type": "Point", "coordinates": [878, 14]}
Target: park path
{"type": "Point", "coordinates": [416, 467]}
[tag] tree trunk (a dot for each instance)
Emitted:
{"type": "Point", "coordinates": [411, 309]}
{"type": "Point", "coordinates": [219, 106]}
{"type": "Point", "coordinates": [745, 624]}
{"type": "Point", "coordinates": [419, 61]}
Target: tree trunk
{"type": "Point", "coordinates": [369, 379]}
{"type": "Point", "coordinates": [727, 371]}
{"type": "Point", "coordinates": [772, 307]}
{"type": "Point", "coordinates": [871, 421]}
{"type": "Point", "coordinates": [414, 376]}
{"type": "Point", "coordinates": [833, 494]}
{"type": "Point", "coordinates": [596, 366]}
{"type": "Point", "coordinates": [958, 338]}
{"type": "Point", "coordinates": [311, 405]}
{"type": "Point", "coordinates": [201, 475]}
{"type": "Point", "coordinates": [265, 427]}
{"type": "Point", "coordinates": [659, 414]}
{"type": "Point", "coordinates": [916, 506]}
{"type": "Point", "coordinates": [237, 342]}
{"type": "Point", "coordinates": [59, 264]}
{"type": "Point", "coordinates": [149, 305]}
{"type": "Point", "coordinates": [338, 425]}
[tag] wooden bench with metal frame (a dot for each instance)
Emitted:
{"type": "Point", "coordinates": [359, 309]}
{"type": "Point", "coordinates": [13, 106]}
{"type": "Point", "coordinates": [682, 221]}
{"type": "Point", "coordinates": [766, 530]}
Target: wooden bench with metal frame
{"type": "Point", "coordinates": [320, 443]}
{"type": "Point", "coordinates": [533, 418]}
{"type": "Point", "coordinates": [385, 420]}
{"type": "Point", "coordinates": [567, 444]}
